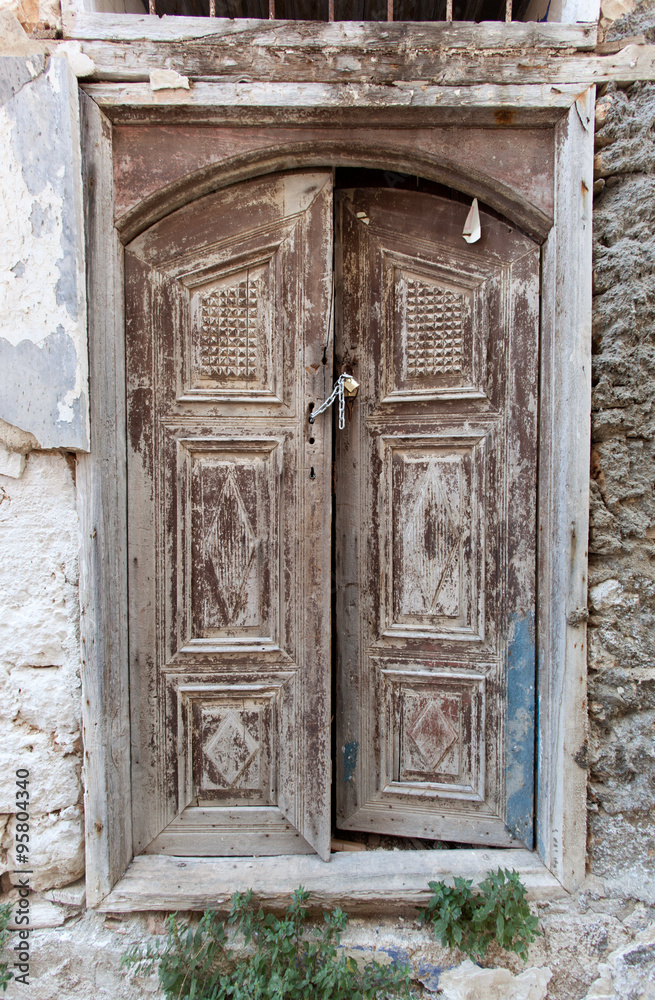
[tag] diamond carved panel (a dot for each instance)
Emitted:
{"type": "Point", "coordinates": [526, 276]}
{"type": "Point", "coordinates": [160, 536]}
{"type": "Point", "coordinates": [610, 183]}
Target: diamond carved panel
{"type": "Point", "coordinates": [434, 324]}
{"type": "Point", "coordinates": [430, 542]}
{"type": "Point", "coordinates": [429, 513]}
{"type": "Point", "coordinates": [229, 532]}
{"type": "Point", "coordinates": [437, 730]}
{"type": "Point", "coordinates": [432, 731]}
{"type": "Point", "coordinates": [233, 746]}
{"type": "Point", "coordinates": [229, 547]}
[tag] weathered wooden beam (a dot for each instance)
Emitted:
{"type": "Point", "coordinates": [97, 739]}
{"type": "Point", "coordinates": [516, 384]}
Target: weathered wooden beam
{"type": "Point", "coordinates": [290, 35]}
{"type": "Point", "coordinates": [564, 502]}
{"type": "Point", "coordinates": [236, 61]}
{"type": "Point", "coordinates": [102, 512]}
{"type": "Point", "coordinates": [373, 880]}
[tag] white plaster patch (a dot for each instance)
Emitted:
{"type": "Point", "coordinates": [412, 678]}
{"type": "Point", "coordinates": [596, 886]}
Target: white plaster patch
{"type": "Point", "coordinates": [40, 727]}
{"type": "Point", "coordinates": [44, 699]}
{"type": "Point", "coordinates": [12, 463]}
{"type": "Point", "coordinates": [81, 64]}
{"type": "Point", "coordinates": [606, 595]}
{"type": "Point", "coordinates": [82, 960]}
{"type": "Point", "coordinates": [65, 406]}
{"type": "Point", "coordinates": [168, 79]}
{"type": "Point", "coordinates": [42, 281]}
{"type": "Point", "coordinates": [43, 912]}
{"type": "Point", "coordinates": [54, 773]}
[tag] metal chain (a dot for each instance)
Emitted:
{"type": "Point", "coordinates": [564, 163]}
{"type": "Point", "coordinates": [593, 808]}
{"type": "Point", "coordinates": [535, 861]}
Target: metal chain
{"type": "Point", "coordinates": [337, 391]}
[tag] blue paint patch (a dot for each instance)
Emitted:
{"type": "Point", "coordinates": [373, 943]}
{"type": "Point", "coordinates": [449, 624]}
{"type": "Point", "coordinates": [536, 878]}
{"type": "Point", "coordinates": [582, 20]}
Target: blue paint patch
{"type": "Point", "coordinates": [521, 658]}
{"type": "Point", "coordinates": [428, 976]}
{"type": "Point", "coordinates": [350, 752]}
{"type": "Point", "coordinates": [398, 955]}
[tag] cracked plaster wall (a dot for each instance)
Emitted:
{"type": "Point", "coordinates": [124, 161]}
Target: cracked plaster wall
{"type": "Point", "coordinates": [43, 349]}
{"type": "Point", "coordinates": [600, 942]}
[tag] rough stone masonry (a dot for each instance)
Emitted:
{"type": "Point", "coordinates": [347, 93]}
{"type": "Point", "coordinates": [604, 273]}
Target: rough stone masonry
{"type": "Point", "coordinates": [599, 943]}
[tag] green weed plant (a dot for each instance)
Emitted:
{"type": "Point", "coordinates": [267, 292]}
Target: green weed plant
{"type": "Point", "coordinates": [5, 917]}
{"type": "Point", "coordinates": [280, 958]}
{"type": "Point", "coordinates": [468, 920]}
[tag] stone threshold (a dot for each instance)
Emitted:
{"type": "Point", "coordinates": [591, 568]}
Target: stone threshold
{"type": "Point", "coordinates": [374, 881]}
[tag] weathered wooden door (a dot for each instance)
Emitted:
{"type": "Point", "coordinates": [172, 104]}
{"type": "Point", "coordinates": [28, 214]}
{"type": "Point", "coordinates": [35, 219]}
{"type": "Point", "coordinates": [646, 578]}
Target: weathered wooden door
{"type": "Point", "coordinates": [227, 304]}
{"type": "Point", "coordinates": [435, 521]}
{"type": "Point", "coordinates": [229, 344]}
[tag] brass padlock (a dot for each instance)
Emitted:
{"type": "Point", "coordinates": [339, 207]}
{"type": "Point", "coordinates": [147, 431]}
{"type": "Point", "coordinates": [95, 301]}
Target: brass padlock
{"type": "Point", "coordinates": [350, 387]}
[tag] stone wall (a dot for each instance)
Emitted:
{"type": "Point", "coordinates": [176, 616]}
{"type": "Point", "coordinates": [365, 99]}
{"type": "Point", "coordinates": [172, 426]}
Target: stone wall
{"type": "Point", "coordinates": [39, 666]}
{"type": "Point", "coordinates": [599, 943]}
{"type": "Point", "coordinates": [622, 537]}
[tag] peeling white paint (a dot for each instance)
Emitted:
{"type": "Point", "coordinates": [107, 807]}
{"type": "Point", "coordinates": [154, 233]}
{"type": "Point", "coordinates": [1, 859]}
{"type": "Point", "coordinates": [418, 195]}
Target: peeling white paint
{"type": "Point", "coordinates": [31, 246]}
{"type": "Point", "coordinates": [43, 349]}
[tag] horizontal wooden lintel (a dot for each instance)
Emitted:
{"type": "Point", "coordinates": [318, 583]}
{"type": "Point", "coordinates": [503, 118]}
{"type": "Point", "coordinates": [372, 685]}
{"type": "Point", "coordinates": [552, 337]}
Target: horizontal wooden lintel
{"type": "Point", "coordinates": [373, 881]}
{"type": "Point", "coordinates": [336, 104]}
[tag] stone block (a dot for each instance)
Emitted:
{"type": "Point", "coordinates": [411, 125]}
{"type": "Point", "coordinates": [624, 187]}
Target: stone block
{"type": "Point", "coordinates": [35, 15]}
{"type": "Point", "coordinates": [629, 971]}
{"type": "Point", "coordinates": [469, 982]}
{"type": "Point", "coordinates": [38, 571]}
{"type": "Point", "coordinates": [54, 773]}
{"type": "Point", "coordinates": [57, 848]}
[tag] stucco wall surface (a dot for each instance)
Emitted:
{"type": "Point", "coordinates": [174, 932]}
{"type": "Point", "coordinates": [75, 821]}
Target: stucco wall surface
{"type": "Point", "coordinates": [43, 347]}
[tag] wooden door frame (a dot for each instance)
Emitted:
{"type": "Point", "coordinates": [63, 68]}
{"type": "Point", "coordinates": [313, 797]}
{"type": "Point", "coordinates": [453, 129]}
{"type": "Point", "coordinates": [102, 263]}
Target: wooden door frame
{"type": "Point", "coordinates": [116, 882]}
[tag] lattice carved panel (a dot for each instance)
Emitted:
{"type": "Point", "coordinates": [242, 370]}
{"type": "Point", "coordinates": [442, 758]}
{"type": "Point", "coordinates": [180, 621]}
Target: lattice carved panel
{"type": "Point", "coordinates": [231, 333]}
{"type": "Point", "coordinates": [229, 330]}
{"type": "Point", "coordinates": [434, 332]}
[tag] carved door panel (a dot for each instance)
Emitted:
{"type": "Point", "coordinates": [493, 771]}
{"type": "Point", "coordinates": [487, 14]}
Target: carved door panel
{"type": "Point", "coordinates": [435, 521]}
{"type": "Point", "coordinates": [227, 304]}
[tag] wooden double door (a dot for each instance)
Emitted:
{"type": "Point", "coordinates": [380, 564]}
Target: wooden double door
{"type": "Point", "coordinates": [255, 536]}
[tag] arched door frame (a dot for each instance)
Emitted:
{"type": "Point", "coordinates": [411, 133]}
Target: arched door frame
{"type": "Point", "coordinates": [150, 882]}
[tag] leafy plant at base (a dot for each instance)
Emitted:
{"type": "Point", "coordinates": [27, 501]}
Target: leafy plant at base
{"type": "Point", "coordinates": [281, 958]}
{"type": "Point", "coordinates": [5, 917]}
{"type": "Point", "coordinates": [470, 921]}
